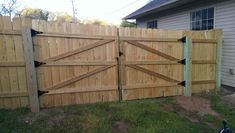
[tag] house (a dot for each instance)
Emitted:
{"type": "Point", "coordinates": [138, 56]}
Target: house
{"type": "Point", "coordinates": [194, 15]}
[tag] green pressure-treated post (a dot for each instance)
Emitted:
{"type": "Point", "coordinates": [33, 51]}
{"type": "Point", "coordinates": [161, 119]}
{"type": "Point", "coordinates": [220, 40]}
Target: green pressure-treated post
{"type": "Point", "coordinates": [188, 66]}
{"type": "Point", "coordinates": [218, 62]}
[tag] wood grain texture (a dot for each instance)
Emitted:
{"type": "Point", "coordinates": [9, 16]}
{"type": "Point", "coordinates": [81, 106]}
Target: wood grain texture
{"type": "Point", "coordinates": [204, 51]}
{"type": "Point", "coordinates": [152, 50]}
{"type": "Point", "coordinates": [218, 60]}
{"type": "Point", "coordinates": [30, 70]}
{"type": "Point", "coordinates": [188, 66]}
{"type": "Point", "coordinates": [148, 62]}
{"type": "Point", "coordinates": [151, 65]}
{"type": "Point", "coordinates": [12, 65]}
{"type": "Point", "coordinates": [80, 50]}
{"type": "Point", "coordinates": [153, 73]}
{"type": "Point", "coordinates": [74, 59]}
{"type": "Point", "coordinates": [78, 78]}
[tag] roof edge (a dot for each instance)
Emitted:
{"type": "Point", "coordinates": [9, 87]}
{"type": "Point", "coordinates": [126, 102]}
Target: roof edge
{"type": "Point", "coordinates": [164, 6]}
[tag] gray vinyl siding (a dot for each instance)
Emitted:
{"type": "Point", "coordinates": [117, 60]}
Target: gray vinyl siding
{"type": "Point", "coordinates": [224, 19]}
{"type": "Point", "coordinates": [141, 23]}
{"type": "Point", "coordinates": [175, 21]}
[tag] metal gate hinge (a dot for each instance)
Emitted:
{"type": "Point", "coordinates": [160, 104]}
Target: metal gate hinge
{"type": "Point", "coordinates": [183, 62]}
{"type": "Point", "coordinates": [120, 53]}
{"type": "Point", "coordinates": [42, 92]}
{"type": "Point", "coordinates": [183, 39]}
{"type": "Point", "coordinates": [34, 32]}
{"type": "Point", "coordinates": [182, 83]}
{"type": "Point", "coordinates": [38, 64]}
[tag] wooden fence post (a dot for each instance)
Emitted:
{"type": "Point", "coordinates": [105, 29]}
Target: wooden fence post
{"type": "Point", "coordinates": [188, 66]}
{"type": "Point", "coordinates": [218, 61]}
{"type": "Point", "coordinates": [30, 70]}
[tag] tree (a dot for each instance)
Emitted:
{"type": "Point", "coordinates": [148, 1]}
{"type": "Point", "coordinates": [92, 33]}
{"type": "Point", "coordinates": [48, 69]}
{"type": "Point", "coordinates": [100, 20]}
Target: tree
{"type": "Point", "coordinates": [98, 22]}
{"type": "Point", "coordinates": [94, 22]}
{"type": "Point", "coordinates": [60, 16]}
{"type": "Point", "coordinates": [86, 21]}
{"type": "Point", "coordinates": [8, 7]}
{"type": "Point", "coordinates": [127, 24]}
{"type": "Point", "coordinates": [35, 13]}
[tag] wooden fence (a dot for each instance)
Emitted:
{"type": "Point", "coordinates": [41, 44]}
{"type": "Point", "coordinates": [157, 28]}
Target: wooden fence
{"type": "Point", "coordinates": [59, 63]}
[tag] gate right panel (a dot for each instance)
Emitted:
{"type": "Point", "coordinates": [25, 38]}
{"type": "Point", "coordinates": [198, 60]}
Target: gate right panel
{"type": "Point", "coordinates": [149, 63]}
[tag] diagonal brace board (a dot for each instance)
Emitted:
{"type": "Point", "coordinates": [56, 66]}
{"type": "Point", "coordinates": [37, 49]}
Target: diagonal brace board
{"type": "Point", "coordinates": [77, 78]}
{"type": "Point", "coordinates": [153, 73]}
{"type": "Point", "coordinates": [79, 50]}
{"type": "Point", "coordinates": [154, 51]}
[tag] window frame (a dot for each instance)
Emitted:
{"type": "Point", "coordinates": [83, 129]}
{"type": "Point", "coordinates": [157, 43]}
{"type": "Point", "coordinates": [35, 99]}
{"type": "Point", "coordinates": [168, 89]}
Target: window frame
{"type": "Point", "coordinates": [200, 20]}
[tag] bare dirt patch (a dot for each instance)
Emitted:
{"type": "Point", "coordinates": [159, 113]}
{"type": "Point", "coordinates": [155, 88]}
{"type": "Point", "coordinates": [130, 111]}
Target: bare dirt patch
{"type": "Point", "coordinates": [122, 126]}
{"type": "Point", "coordinates": [226, 90]}
{"type": "Point", "coordinates": [199, 105]}
{"type": "Point", "coordinates": [58, 117]}
{"type": "Point", "coordinates": [182, 112]}
{"type": "Point", "coordinates": [32, 117]}
{"type": "Point", "coordinates": [53, 116]}
{"type": "Point", "coordinates": [55, 120]}
{"type": "Point", "coordinates": [110, 112]}
{"type": "Point", "coordinates": [229, 99]}
{"type": "Point", "coordinates": [192, 108]}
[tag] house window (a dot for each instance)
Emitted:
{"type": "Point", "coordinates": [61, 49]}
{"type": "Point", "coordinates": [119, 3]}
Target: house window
{"type": "Point", "coordinates": [202, 19]}
{"type": "Point", "coordinates": [152, 24]}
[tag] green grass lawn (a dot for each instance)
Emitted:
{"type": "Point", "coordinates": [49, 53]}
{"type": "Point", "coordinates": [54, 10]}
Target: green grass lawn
{"type": "Point", "coordinates": [142, 116]}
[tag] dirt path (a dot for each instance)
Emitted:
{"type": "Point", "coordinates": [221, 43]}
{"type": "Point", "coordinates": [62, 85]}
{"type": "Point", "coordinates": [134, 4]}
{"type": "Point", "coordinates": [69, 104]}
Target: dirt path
{"type": "Point", "coordinates": [195, 108]}
{"type": "Point", "coordinates": [228, 95]}
{"type": "Point", "coordinates": [199, 105]}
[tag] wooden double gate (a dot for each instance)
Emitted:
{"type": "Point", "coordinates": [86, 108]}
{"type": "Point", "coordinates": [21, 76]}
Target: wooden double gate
{"type": "Point", "coordinates": [116, 64]}
{"type": "Point", "coordinates": [72, 63]}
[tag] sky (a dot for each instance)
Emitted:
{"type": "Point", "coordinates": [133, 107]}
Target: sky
{"type": "Point", "coordinates": [109, 10]}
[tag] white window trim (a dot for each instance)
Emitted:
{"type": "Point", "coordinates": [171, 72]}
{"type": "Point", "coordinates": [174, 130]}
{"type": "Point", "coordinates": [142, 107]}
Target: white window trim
{"type": "Point", "coordinates": [201, 8]}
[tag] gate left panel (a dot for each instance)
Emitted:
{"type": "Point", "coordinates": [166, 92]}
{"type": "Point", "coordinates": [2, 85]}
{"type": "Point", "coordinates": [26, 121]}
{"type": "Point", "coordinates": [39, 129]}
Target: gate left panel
{"type": "Point", "coordinates": [13, 88]}
{"type": "Point", "coordinates": [78, 63]}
